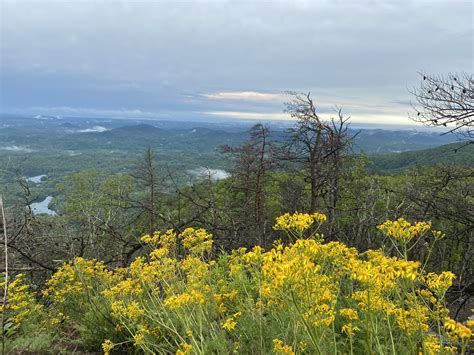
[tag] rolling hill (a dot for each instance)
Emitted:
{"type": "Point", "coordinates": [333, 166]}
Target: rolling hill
{"type": "Point", "coordinates": [455, 154]}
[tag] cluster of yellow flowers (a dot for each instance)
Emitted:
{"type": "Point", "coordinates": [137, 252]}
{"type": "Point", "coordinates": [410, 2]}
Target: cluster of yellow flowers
{"type": "Point", "coordinates": [107, 346]}
{"type": "Point", "coordinates": [184, 349]}
{"type": "Point", "coordinates": [21, 300]}
{"type": "Point", "coordinates": [281, 349]}
{"type": "Point", "coordinates": [166, 240]}
{"type": "Point", "coordinates": [75, 278]}
{"type": "Point", "coordinates": [184, 299]}
{"type": "Point", "coordinates": [230, 322]}
{"type": "Point", "coordinates": [315, 296]}
{"type": "Point", "coordinates": [299, 222]}
{"type": "Point", "coordinates": [349, 313]}
{"type": "Point", "coordinates": [197, 241]}
{"type": "Point", "coordinates": [403, 230]}
{"type": "Point", "coordinates": [457, 330]}
{"type": "Point", "coordinates": [132, 310]}
{"type": "Point", "coordinates": [440, 283]}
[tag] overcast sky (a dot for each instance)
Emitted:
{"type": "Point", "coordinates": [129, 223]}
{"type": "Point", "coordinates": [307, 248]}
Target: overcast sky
{"type": "Point", "coordinates": [226, 58]}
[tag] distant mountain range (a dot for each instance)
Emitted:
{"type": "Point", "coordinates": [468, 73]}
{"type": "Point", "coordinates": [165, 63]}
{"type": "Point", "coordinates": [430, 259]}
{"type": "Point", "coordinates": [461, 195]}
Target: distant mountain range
{"type": "Point", "coordinates": [135, 135]}
{"type": "Point", "coordinates": [60, 146]}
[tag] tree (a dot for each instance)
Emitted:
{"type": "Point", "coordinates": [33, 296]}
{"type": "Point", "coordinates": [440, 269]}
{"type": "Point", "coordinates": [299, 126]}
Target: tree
{"type": "Point", "coordinates": [318, 147]}
{"type": "Point", "coordinates": [252, 162]}
{"type": "Point", "coordinates": [147, 177]}
{"type": "Point", "coordinates": [446, 101]}
{"type": "Point", "coordinates": [32, 241]}
{"type": "Point", "coordinates": [96, 216]}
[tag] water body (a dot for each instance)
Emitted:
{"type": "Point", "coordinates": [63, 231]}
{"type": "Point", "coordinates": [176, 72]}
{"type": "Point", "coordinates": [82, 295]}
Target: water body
{"type": "Point", "coordinates": [42, 207]}
{"type": "Point", "coordinates": [36, 179]}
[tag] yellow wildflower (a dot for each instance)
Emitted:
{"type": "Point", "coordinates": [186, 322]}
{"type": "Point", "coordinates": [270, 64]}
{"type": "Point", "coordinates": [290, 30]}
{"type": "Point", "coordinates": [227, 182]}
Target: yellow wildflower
{"type": "Point", "coordinates": [463, 331]}
{"type": "Point", "coordinates": [349, 313]}
{"type": "Point", "coordinates": [197, 241]}
{"type": "Point", "coordinates": [457, 330]}
{"type": "Point", "coordinates": [298, 222]}
{"type": "Point", "coordinates": [403, 230]}
{"type": "Point", "coordinates": [130, 311]}
{"type": "Point", "coordinates": [21, 301]}
{"type": "Point", "coordinates": [107, 345]}
{"type": "Point", "coordinates": [185, 349]}
{"type": "Point", "coordinates": [349, 329]}
{"type": "Point", "coordinates": [303, 346]}
{"type": "Point", "coordinates": [440, 283]}
{"type": "Point", "coordinates": [281, 349]}
{"type": "Point", "coordinates": [185, 299]}
{"type": "Point", "coordinates": [230, 322]}
{"type": "Point", "coordinates": [138, 339]}
{"type": "Point", "coordinates": [432, 345]}
{"type": "Point", "coordinates": [166, 240]}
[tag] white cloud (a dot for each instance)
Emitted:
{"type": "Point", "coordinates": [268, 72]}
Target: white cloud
{"type": "Point", "coordinates": [92, 112]}
{"type": "Point", "coordinates": [98, 129]}
{"type": "Point", "coordinates": [245, 96]}
{"type": "Point", "coordinates": [379, 118]}
{"type": "Point", "coordinates": [248, 115]}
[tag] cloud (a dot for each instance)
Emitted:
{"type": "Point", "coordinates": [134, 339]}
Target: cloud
{"type": "Point", "coordinates": [362, 118]}
{"type": "Point", "coordinates": [248, 115]}
{"type": "Point", "coordinates": [382, 119]}
{"type": "Point", "coordinates": [143, 58]}
{"type": "Point", "coordinates": [92, 112]}
{"type": "Point", "coordinates": [245, 96]}
{"type": "Point", "coordinates": [98, 129]}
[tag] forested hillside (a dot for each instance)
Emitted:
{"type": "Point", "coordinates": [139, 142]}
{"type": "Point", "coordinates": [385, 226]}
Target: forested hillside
{"type": "Point", "coordinates": [55, 147]}
{"type": "Point", "coordinates": [455, 154]}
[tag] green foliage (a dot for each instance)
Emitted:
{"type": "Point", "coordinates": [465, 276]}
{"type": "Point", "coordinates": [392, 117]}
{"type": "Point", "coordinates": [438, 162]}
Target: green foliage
{"type": "Point", "coordinates": [456, 154]}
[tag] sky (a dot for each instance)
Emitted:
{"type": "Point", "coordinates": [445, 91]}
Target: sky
{"type": "Point", "coordinates": [226, 59]}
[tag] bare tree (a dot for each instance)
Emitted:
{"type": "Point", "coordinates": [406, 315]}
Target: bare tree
{"type": "Point", "coordinates": [339, 142]}
{"type": "Point", "coordinates": [30, 242]}
{"type": "Point", "coordinates": [146, 175]}
{"type": "Point", "coordinates": [319, 147]}
{"type": "Point", "coordinates": [446, 101]}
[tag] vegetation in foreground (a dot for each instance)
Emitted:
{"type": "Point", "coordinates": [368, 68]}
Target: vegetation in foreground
{"type": "Point", "coordinates": [304, 297]}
